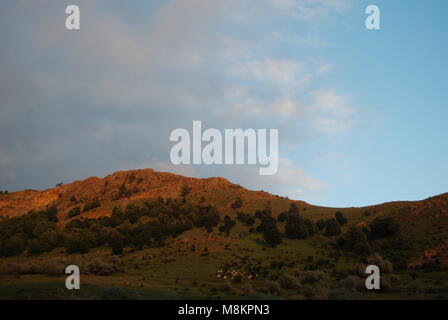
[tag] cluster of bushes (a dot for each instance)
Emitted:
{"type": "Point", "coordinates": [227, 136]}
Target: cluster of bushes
{"type": "Point", "coordinates": [134, 226]}
{"type": "Point", "coordinates": [76, 211]}
{"type": "Point", "coordinates": [35, 231]}
{"type": "Point", "coordinates": [331, 227]}
{"type": "Point", "coordinates": [139, 226]}
{"type": "Point", "coordinates": [359, 241]}
{"type": "Point", "coordinates": [92, 205]}
{"type": "Point", "coordinates": [245, 218]}
{"type": "Point", "coordinates": [296, 227]}
{"type": "Point", "coordinates": [57, 266]}
{"type": "Point", "coordinates": [227, 225]}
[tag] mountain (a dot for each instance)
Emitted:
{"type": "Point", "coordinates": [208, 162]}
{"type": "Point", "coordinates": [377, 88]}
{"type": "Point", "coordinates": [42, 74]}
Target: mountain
{"type": "Point", "coordinates": [123, 187]}
{"type": "Point", "coordinates": [155, 233]}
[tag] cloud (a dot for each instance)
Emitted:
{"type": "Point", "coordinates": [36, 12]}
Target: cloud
{"type": "Point", "coordinates": [106, 97]}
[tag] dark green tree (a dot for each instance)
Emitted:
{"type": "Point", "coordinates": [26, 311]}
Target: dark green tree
{"type": "Point", "coordinates": [295, 226]}
{"type": "Point", "coordinates": [383, 227]}
{"type": "Point", "coordinates": [332, 228]}
{"type": "Point", "coordinates": [271, 235]}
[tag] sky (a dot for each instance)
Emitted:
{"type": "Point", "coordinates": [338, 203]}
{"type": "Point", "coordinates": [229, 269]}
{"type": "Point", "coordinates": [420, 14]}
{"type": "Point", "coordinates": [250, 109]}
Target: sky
{"type": "Point", "coordinates": [361, 113]}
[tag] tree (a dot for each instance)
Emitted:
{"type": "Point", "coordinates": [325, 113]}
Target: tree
{"type": "Point", "coordinates": [340, 218]}
{"type": "Point", "coordinates": [271, 235]}
{"type": "Point", "coordinates": [246, 218]}
{"type": "Point", "coordinates": [321, 223]}
{"type": "Point", "coordinates": [383, 227]}
{"type": "Point", "coordinates": [332, 228]}
{"type": "Point", "coordinates": [310, 226]}
{"type": "Point", "coordinates": [355, 241]}
{"type": "Point", "coordinates": [295, 227]}
{"type": "Point", "coordinates": [266, 222]}
{"type": "Point", "coordinates": [227, 225]}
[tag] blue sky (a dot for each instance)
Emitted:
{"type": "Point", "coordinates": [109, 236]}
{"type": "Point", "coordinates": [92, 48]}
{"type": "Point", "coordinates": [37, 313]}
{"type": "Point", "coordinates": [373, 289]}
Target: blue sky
{"type": "Point", "coordinates": [399, 74]}
{"type": "Point", "coordinates": [361, 114]}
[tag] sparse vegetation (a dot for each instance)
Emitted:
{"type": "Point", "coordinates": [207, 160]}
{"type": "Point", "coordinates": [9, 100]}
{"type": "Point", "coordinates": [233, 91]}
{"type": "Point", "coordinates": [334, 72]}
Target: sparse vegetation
{"type": "Point", "coordinates": [264, 248]}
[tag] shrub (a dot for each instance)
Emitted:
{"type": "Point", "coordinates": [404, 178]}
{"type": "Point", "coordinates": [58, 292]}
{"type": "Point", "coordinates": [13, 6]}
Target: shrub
{"type": "Point", "coordinates": [271, 234]}
{"type": "Point", "coordinates": [76, 211]}
{"type": "Point", "coordinates": [384, 265]}
{"type": "Point", "coordinates": [340, 218]}
{"type": "Point", "coordinates": [237, 203]}
{"type": "Point", "coordinates": [295, 227]}
{"type": "Point", "coordinates": [313, 276]}
{"type": "Point", "coordinates": [289, 282]}
{"type": "Point", "coordinates": [272, 287]}
{"type": "Point", "coordinates": [355, 241]}
{"type": "Point", "coordinates": [245, 218]}
{"type": "Point", "coordinates": [332, 228]}
{"type": "Point", "coordinates": [53, 267]}
{"type": "Point", "coordinates": [321, 223]}
{"type": "Point", "coordinates": [100, 267]}
{"type": "Point", "coordinates": [383, 227]}
{"type": "Point", "coordinates": [282, 217]}
{"type": "Point", "coordinates": [92, 205]}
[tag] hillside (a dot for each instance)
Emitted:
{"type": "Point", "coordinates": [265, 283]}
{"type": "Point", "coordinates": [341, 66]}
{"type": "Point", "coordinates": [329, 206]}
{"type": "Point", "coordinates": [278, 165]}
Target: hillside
{"type": "Point", "coordinates": [151, 234]}
{"type": "Point", "coordinates": [122, 187]}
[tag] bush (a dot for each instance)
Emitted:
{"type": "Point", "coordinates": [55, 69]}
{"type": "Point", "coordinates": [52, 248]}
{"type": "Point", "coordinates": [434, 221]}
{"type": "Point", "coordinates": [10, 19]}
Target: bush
{"type": "Point", "coordinates": [92, 205]}
{"type": "Point", "coordinates": [237, 203]}
{"type": "Point", "coordinates": [271, 234]}
{"type": "Point", "coordinates": [383, 227]}
{"type": "Point", "coordinates": [298, 228]}
{"type": "Point", "coordinates": [355, 241]}
{"type": "Point", "coordinates": [313, 276]}
{"type": "Point", "coordinates": [104, 268]}
{"type": "Point", "coordinates": [289, 282]}
{"type": "Point", "coordinates": [332, 228]}
{"type": "Point", "coordinates": [384, 265]}
{"type": "Point", "coordinates": [53, 267]}
{"type": "Point", "coordinates": [76, 211]}
{"type": "Point", "coordinates": [245, 218]}
{"type": "Point", "coordinates": [272, 287]}
{"type": "Point", "coordinates": [282, 217]}
{"type": "Point", "coordinates": [340, 218]}
{"type": "Point", "coordinates": [321, 223]}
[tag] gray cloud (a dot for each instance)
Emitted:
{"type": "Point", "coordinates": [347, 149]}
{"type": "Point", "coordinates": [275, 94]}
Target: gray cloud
{"type": "Point", "coordinates": [105, 98]}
